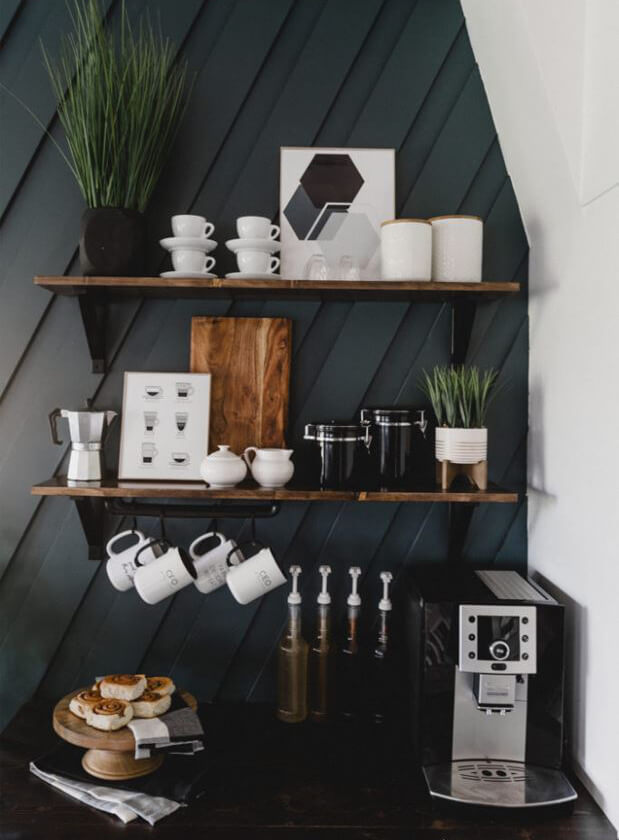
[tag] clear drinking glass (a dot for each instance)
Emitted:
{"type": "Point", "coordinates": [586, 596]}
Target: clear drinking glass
{"type": "Point", "coordinates": [317, 268]}
{"type": "Point", "coordinates": [348, 269]}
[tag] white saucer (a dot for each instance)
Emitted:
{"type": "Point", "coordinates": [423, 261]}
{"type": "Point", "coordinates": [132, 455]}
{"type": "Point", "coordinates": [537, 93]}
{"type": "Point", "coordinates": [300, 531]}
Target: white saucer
{"type": "Point", "coordinates": [240, 275]}
{"type": "Point", "coordinates": [204, 275]}
{"type": "Point", "coordinates": [270, 246]}
{"type": "Point", "coordinates": [188, 243]}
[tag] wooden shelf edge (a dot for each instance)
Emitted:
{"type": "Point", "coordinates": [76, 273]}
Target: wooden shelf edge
{"type": "Point", "coordinates": [59, 284]}
{"type": "Point", "coordinates": [167, 490]}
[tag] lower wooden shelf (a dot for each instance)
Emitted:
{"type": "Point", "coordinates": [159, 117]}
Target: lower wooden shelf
{"type": "Point", "coordinates": [113, 488]}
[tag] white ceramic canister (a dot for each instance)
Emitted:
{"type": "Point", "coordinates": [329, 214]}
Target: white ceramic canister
{"type": "Point", "coordinates": [406, 249]}
{"type": "Point", "coordinates": [270, 467]}
{"type": "Point", "coordinates": [461, 446]}
{"type": "Point", "coordinates": [457, 244]}
{"type": "Point", "coordinates": [223, 468]}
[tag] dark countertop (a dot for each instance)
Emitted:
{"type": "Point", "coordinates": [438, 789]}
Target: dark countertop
{"type": "Point", "coordinates": [273, 781]}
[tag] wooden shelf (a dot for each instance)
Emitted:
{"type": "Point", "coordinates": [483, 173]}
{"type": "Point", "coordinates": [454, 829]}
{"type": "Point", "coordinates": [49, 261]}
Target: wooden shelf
{"type": "Point", "coordinates": [114, 489]}
{"type": "Point", "coordinates": [276, 287]}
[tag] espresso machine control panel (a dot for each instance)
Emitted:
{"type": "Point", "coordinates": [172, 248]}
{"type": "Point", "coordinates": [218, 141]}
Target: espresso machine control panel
{"type": "Point", "coordinates": [497, 639]}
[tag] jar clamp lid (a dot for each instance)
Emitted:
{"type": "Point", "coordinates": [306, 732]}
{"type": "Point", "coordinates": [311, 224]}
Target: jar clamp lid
{"type": "Point", "coordinates": [335, 432]}
{"type": "Point", "coordinates": [394, 417]}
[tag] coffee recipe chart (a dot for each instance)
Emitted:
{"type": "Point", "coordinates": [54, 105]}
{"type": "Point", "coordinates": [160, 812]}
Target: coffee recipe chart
{"type": "Point", "coordinates": [165, 425]}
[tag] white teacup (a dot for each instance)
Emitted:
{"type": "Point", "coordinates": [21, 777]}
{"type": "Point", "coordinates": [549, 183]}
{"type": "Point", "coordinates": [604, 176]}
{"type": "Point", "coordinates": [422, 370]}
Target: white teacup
{"type": "Point", "coordinates": [255, 577]}
{"type": "Point", "coordinates": [256, 262]}
{"type": "Point", "coordinates": [256, 227]}
{"type": "Point", "coordinates": [196, 262]}
{"type": "Point", "coordinates": [122, 565]}
{"type": "Point", "coordinates": [165, 576]}
{"type": "Point", "coordinates": [212, 566]}
{"type": "Point", "coordinates": [189, 225]}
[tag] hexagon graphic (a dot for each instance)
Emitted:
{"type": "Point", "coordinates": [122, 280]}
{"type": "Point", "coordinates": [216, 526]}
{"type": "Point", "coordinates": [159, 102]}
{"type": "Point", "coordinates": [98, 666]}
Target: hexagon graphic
{"type": "Point", "coordinates": [331, 178]}
{"type": "Point", "coordinates": [328, 186]}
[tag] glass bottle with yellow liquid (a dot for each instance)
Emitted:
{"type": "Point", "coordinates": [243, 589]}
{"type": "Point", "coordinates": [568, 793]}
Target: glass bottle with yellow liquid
{"type": "Point", "coordinates": [292, 660]}
{"type": "Point", "coordinates": [349, 662]}
{"type": "Point", "coordinates": [321, 663]}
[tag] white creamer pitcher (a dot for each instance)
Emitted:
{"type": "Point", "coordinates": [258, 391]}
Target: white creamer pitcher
{"type": "Point", "coordinates": [271, 468]}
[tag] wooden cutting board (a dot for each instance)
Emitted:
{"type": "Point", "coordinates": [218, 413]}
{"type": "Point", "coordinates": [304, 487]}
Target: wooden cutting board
{"type": "Point", "coordinates": [249, 363]}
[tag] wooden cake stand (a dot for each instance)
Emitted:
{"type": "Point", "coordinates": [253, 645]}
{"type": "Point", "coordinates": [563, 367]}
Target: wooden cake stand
{"type": "Point", "coordinates": [109, 754]}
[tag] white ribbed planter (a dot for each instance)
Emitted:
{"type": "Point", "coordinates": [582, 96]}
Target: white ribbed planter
{"type": "Point", "coordinates": [461, 446]}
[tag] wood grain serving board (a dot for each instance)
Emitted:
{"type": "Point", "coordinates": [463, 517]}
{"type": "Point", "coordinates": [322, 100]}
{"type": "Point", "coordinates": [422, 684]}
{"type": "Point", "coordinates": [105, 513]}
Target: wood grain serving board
{"type": "Point", "coordinates": [249, 363]}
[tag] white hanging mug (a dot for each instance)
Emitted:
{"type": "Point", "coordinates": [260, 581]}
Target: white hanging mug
{"type": "Point", "coordinates": [254, 577]}
{"type": "Point", "coordinates": [212, 566]}
{"type": "Point", "coordinates": [165, 576]}
{"type": "Point", "coordinates": [122, 565]}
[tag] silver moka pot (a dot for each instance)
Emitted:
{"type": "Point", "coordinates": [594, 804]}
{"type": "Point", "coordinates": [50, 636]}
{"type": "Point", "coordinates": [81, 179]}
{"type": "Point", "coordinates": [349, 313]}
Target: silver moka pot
{"type": "Point", "coordinates": [87, 430]}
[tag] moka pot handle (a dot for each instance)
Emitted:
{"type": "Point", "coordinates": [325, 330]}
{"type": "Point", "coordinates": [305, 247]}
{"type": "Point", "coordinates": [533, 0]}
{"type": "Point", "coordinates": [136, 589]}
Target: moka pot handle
{"type": "Point", "coordinates": [53, 423]}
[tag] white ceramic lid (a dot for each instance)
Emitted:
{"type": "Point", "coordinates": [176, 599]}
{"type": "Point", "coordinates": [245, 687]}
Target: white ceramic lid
{"type": "Point", "coordinates": [223, 453]}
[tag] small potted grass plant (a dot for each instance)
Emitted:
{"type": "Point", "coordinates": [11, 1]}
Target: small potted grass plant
{"type": "Point", "coordinates": [460, 398]}
{"type": "Point", "coordinates": [120, 101]}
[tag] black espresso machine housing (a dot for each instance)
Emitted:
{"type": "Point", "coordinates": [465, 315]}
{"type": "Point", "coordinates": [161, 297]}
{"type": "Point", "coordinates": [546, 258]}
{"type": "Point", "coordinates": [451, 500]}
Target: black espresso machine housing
{"type": "Point", "coordinates": [486, 687]}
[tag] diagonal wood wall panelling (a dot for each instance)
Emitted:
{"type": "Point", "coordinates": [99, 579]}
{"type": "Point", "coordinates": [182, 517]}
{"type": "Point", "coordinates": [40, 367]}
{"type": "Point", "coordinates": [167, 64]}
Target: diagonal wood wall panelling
{"type": "Point", "coordinates": [268, 73]}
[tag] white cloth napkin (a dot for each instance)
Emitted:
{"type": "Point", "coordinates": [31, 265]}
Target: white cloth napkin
{"type": "Point", "coordinates": [125, 804]}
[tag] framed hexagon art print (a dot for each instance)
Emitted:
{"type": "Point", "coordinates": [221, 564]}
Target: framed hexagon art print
{"type": "Point", "coordinates": [332, 203]}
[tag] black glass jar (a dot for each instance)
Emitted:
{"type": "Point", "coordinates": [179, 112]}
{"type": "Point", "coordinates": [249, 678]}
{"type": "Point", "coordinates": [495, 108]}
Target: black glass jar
{"type": "Point", "coordinates": [343, 453]}
{"type": "Point", "coordinates": [397, 436]}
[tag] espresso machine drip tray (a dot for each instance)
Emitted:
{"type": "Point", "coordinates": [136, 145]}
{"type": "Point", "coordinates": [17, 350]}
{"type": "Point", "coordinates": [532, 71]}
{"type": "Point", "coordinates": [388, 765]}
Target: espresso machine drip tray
{"type": "Point", "coordinates": [498, 784]}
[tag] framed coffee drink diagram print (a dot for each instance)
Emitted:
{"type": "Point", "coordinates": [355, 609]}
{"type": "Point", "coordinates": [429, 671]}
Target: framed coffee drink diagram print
{"type": "Point", "coordinates": [332, 203]}
{"type": "Point", "coordinates": [165, 424]}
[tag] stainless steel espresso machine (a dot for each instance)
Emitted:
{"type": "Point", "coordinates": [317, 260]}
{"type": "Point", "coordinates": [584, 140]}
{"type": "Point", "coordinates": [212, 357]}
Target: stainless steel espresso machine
{"type": "Point", "coordinates": [486, 665]}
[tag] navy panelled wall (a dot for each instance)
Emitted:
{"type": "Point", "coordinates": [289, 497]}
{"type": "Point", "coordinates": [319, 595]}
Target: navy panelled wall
{"type": "Point", "coordinates": [394, 73]}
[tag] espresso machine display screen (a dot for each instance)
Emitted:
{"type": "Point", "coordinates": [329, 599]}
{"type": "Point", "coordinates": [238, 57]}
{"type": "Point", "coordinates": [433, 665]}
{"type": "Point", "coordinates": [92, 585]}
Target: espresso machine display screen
{"type": "Point", "coordinates": [498, 637]}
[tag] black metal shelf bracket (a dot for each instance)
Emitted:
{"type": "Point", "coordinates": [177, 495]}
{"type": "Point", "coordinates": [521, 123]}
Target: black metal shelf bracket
{"type": "Point", "coordinates": [460, 516]}
{"type": "Point", "coordinates": [93, 308]}
{"type": "Point", "coordinates": [462, 319]}
{"type": "Point", "coordinates": [91, 514]}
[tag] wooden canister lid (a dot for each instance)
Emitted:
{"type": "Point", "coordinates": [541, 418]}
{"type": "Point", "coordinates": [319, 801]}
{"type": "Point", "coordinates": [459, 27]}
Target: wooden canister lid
{"type": "Point", "coordinates": [396, 221]}
{"type": "Point", "coordinates": [454, 216]}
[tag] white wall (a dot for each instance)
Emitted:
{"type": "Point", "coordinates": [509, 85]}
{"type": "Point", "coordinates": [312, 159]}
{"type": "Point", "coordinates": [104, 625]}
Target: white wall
{"type": "Point", "coordinates": [551, 72]}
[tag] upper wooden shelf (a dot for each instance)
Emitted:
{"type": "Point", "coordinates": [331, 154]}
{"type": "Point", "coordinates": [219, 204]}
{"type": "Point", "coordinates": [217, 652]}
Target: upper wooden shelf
{"type": "Point", "coordinates": [275, 287]}
{"type": "Point", "coordinates": [114, 489]}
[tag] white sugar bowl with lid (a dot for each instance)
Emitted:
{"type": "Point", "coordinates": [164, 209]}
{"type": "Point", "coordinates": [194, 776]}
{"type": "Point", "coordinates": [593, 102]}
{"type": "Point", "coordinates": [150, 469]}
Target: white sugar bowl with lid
{"type": "Point", "coordinates": [223, 469]}
{"type": "Point", "coordinates": [457, 243]}
{"type": "Point", "coordinates": [406, 249]}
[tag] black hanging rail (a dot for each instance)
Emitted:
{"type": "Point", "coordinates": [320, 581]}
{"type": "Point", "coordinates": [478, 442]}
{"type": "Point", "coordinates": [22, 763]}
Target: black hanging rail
{"type": "Point", "coordinates": [217, 510]}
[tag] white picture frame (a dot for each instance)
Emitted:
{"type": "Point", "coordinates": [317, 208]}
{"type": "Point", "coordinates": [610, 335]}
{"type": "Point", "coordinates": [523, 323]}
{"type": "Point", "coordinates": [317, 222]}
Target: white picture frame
{"type": "Point", "coordinates": [165, 425]}
{"type": "Point", "coordinates": [332, 203]}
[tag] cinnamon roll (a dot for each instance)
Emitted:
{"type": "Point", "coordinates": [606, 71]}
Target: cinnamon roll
{"type": "Point", "coordinates": [109, 714]}
{"type": "Point", "coordinates": [123, 686]}
{"type": "Point", "coordinates": [83, 701]}
{"type": "Point", "coordinates": [151, 704]}
{"type": "Point", "coordinates": [161, 685]}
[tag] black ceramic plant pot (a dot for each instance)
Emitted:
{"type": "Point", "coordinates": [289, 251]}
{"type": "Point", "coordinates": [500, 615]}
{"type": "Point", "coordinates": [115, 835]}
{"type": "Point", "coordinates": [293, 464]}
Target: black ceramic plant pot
{"type": "Point", "coordinates": [112, 242]}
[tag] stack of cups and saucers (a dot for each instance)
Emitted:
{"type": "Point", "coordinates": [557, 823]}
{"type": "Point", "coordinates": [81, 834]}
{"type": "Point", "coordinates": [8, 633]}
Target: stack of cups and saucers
{"type": "Point", "coordinates": [255, 248]}
{"type": "Point", "coordinates": [190, 247]}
